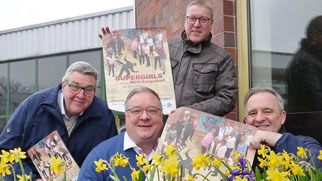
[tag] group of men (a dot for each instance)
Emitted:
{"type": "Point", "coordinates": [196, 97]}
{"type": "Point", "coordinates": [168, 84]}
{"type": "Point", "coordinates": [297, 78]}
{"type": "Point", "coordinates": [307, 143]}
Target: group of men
{"type": "Point", "coordinates": [204, 79]}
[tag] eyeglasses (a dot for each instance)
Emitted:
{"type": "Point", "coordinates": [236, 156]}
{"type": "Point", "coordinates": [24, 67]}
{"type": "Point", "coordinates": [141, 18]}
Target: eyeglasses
{"type": "Point", "coordinates": [193, 20]}
{"type": "Point", "coordinates": [139, 110]}
{"type": "Point", "coordinates": [89, 91]}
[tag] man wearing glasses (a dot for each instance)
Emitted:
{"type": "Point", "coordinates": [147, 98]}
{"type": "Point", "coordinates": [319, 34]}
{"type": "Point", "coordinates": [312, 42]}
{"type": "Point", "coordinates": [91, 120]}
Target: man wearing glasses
{"type": "Point", "coordinates": [143, 121]}
{"type": "Point", "coordinates": [204, 74]}
{"type": "Point", "coordinates": [81, 119]}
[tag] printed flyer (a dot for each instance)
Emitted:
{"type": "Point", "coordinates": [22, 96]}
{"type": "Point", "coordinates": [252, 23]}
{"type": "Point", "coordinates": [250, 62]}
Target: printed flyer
{"type": "Point", "coordinates": [137, 57]}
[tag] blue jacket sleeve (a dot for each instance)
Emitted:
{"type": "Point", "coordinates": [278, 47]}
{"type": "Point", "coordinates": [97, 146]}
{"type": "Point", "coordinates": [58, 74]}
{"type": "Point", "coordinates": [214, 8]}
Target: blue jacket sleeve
{"type": "Point", "coordinates": [289, 143]}
{"type": "Point", "coordinates": [11, 137]}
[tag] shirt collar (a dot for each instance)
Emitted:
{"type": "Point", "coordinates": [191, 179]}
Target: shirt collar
{"type": "Point", "coordinates": [62, 107]}
{"type": "Point", "coordinates": [129, 143]}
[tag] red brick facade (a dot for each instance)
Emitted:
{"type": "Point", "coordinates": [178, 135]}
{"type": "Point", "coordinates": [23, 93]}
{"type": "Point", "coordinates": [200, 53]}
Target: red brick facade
{"type": "Point", "coordinates": [171, 14]}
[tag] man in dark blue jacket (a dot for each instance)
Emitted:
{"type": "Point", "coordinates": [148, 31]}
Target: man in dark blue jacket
{"type": "Point", "coordinates": [264, 109]}
{"type": "Point", "coordinates": [81, 119]}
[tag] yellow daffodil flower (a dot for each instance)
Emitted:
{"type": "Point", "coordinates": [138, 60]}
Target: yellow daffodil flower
{"type": "Point", "coordinates": [21, 178]}
{"type": "Point", "coordinates": [147, 167]}
{"type": "Point", "coordinates": [6, 157]}
{"type": "Point", "coordinates": [4, 169]}
{"type": "Point", "coordinates": [135, 174]}
{"type": "Point", "coordinates": [262, 151]}
{"type": "Point", "coordinates": [320, 156]}
{"type": "Point", "coordinates": [157, 160]}
{"type": "Point", "coordinates": [141, 160]}
{"type": "Point", "coordinates": [276, 175]}
{"type": "Point", "coordinates": [198, 161]}
{"type": "Point", "coordinates": [216, 162]}
{"type": "Point", "coordinates": [100, 165]}
{"type": "Point", "coordinates": [18, 153]}
{"type": "Point", "coordinates": [170, 166]}
{"type": "Point", "coordinates": [296, 169]}
{"type": "Point", "coordinates": [274, 160]}
{"type": "Point", "coordinates": [301, 152]}
{"type": "Point", "coordinates": [170, 150]}
{"type": "Point", "coordinates": [57, 165]}
{"type": "Point", "coordinates": [238, 178]}
{"type": "Point", "coordinates": [190, 177]}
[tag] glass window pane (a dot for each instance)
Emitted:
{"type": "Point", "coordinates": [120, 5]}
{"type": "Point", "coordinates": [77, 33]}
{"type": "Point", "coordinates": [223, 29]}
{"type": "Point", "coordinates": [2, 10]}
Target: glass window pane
{"type": "Point", "coordinates": [92, 57]}
{"type": "Point", "coordinates": [3, 88]}
{"type": "Point", "coordinates": [22, 82]}
{"type": "Point", "coordinates": [2, 125]}
{"type": "Point", "coordinates": [51, 71]}
{"type": "Point", "coordinates": [276, 36]}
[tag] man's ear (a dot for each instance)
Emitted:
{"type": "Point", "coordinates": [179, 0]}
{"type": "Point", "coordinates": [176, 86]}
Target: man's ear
{"type": "Point", "coordinates": [244, 119]}
{"type": "Point", "coordinates": [283, 114]}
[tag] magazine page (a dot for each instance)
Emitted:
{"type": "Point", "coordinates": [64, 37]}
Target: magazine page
{"type": "Point", "coordinates": [53, 146]}
{"type": "Point", "coordinates": [193, 131]}
{"type": "Point", "coordinates": [138, 57]}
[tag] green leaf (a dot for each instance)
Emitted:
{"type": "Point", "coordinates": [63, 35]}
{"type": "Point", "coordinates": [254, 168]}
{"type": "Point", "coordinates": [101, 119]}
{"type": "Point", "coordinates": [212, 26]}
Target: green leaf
{"type": "Point", "coordinates": [115, 178]}
{"type": "Point", "coordinates": [258, 174]}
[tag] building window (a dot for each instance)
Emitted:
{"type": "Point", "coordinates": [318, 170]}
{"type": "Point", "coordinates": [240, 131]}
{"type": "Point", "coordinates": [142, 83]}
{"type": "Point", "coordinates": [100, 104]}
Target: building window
{"type": "Point", "coordinates": [50, 71]}
{"type": "Point", "coordinates": [22, 82]}
{"type": "Point", "coordinates": [276, 35]}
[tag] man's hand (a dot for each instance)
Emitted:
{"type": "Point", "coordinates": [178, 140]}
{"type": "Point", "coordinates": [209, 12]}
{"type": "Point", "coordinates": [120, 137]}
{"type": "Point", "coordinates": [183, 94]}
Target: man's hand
{"type": "Point", "coordinates": [265, 138]}
{"type": "Point", "coordinates": [107, 36]}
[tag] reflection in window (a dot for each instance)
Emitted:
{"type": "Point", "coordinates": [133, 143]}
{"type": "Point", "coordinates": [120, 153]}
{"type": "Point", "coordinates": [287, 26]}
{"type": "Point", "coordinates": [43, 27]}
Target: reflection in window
{"type": "Point", "coordinates": [51, 71]}
{"type": "Point", "coordinates": [3, 88]}
{"type": "Point", "coordinates": [276, 35]}
{"type": "Point", "coordinates": [93, 58]}
{"type": "Point", "coordinates": [22, 82]}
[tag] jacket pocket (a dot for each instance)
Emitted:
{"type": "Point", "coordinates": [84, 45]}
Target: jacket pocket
{"type": "Point", "coordinates": [204, 78]}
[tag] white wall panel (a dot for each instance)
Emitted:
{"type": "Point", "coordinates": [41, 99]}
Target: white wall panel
{"type": "Point", "coordinates": [71, 34]}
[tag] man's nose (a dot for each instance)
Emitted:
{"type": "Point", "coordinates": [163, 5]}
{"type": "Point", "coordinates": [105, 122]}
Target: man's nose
{"type": "Point", "coordinates": [144, 115]}
{"type": "Point", "coordinates": [81, 93]}
{"type": "Point", "coordinates": [197, 23]}
{"type": "Point", "coordinates": [259, 117]}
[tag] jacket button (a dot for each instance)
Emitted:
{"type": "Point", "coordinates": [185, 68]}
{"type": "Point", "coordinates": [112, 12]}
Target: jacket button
{"type": "Point", "coordinates": [8, 130]}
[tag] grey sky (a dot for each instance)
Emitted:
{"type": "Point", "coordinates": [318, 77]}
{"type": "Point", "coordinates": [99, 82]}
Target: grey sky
{"type": "Point", "coordinates": [18, 13]}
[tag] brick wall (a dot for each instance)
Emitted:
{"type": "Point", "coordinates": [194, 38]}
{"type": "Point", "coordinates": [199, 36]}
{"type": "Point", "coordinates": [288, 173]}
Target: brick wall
{"type": "Point", "coordinates": [171, 15]}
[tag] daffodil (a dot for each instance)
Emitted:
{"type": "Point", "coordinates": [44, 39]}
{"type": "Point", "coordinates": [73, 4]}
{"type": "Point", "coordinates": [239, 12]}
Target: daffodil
{"type": "Point", "coordinates": [157, 160]}
{"type": "Point", "coordinates": [263, 162]}
{"type": "Point", "coordinates": [190, 177]}
{"type": "Point", "coordinates": [276, 175]}
{"type": "Point", "coordinates": [170, 166]}
{"type": "Point", "coordinates": [18, 153]}
{"type": "Point", "coordinates": [4, 169]}
{"type": "Point", "coordinates": [147, 167]}
{"type": "Point", "coordinates": [238, 178]}
{"type": "Point", "coordinates": [170, 150]}
{"type": "Point", "coordinates": [21, 178]}
{"type": "Point", "coordinates": [100, 165]}
{"type": "Point", "coordinates": [274, 160]}
{"type": "Point", "coordinates": [121, 160]}
{"type": "Point", "coordinates": [301, 152]}
{"type": "Point", "coordinates": [141, 160]}
{"type": "Point", "coordinates": [198, 161]}
{"type": "Point", "coordinates": [263, 151]}
{"type": "Point", "coordinates": [216, 162]}
{"type": "Point", "coordinates": [57, 165]}
{"type": "Point", "coordinates": [320, 156]}
{"type": "Point", "coordinates": [135, 174]}
{"type": "Point", "coordinates": [296, 169]}
{"type": "Point", "coordinates": [6, 157]}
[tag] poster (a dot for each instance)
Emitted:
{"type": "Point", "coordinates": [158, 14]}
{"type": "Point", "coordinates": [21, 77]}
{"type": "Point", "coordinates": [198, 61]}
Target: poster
{"type": "Point", "coordinates": [138, 57]}
{"type": "Point", "coordinates": [193, 131]}
{"type": "Point", "coordinates": [53, 146]}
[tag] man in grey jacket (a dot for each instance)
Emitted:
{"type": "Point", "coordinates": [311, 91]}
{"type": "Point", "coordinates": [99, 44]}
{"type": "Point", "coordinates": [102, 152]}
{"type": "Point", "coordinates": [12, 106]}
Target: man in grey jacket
{"type": "Point", "coordinates": [204, 74]}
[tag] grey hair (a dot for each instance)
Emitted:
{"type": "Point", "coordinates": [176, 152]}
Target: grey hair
{"type": "Point", "coordinates": [139, 90]}
{"type": "Point", "coordinates": [203, 3]}
{"type": "Point", "coordinates": [257, 90]}
{"type": "Point", "coordinates": [81, 67]}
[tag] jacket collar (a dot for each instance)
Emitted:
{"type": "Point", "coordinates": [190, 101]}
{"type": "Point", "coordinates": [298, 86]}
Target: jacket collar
{"type": "Point", "coordinates": [194, 48]}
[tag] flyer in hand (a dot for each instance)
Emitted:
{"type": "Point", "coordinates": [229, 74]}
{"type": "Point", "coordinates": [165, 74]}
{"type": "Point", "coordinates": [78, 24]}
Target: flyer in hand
{"type": "Point", "coordinates": [137, 57]}
{"type": "Point", "coordinates": [53, 146]}
{"type": "Point", "coordinates": [193, 131]}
